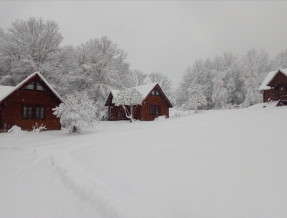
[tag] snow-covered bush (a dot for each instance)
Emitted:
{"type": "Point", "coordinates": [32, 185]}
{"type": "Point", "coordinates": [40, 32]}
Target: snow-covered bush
{"type": "Point", "coordinates": [15, 130]}
{"type": "Point", "coordinates": [39, 128]}
{"type": "Point", "coordinates": [178, 112]}
{"type": "Point", "coordinates": [175, 112]}
{"type": "Point", "coordinates": [129, 99]}
{"type": "Point", "coordinates": [77, 112]}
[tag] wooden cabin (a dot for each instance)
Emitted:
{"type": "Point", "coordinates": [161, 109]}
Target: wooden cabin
{"type": "Point", "coordinates": [154, 103]}
{"type": "Point", "coordinates": [29, 103]}
{"type": "Point", "coordinates": [274, 87]}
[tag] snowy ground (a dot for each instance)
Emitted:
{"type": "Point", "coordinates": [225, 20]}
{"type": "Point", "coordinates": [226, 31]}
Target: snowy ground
{"type": "Point", "coordinates": [229, 163]}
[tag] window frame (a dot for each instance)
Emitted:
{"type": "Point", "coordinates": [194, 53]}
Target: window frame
{"type": "Point", "coordinates": [27, 112]}
{"type": "Point", "coordinates": [39, 113]}
{"type": "Point", "coordinates": [38, 84]}
{"type": "Point", "coordinates": [35, 85]}
{"type": "Point", "coordinates": [30, 112]}
{"type": "Point", "coordinates": [155, 92]}
{"type": "Point", "coordinates": [155, 110]}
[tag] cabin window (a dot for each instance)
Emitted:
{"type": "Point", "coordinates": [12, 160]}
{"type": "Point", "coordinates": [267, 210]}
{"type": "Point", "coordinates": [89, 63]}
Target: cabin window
{"type": "Point", "coordinates": [39, 87]}
{"type": "Point", "coordinates": [33, 112]}
{"type": "Point", "coordinates": [30, 86]}
{"type": "Point", "coordinates": [39, 113]}
{"type": "Point", "coordinates": [27, 112]}
{"type": "Point", "coordinates": [154, 110]}
{"type": "Point", "coordinates": [155, 92]}
{"type": "Point", "coordinates": [35, 85]}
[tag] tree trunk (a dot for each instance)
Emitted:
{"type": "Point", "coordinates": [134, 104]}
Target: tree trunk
{"type": "Point", "coordinates": [74, 129]}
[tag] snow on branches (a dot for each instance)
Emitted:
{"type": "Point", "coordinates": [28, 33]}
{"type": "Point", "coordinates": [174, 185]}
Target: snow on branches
{"type": "Point", "coordinates": [28, 46]}
{"type": "Point", "coordinates": [77, 112]}
{"type": "Point", "coordinates": [195, 98]}
{"type": "Point", "coordinates": [129, 99]}
{"type": "Point", "coordinates": [219, 95]}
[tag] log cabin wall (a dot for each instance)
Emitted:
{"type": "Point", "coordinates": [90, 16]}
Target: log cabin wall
{"type": "Point", "coordinates": [155, 97]}
{"type": "Point", "coordinates": [267, 95]}
{"type": "Point", "coordinates": [118, 113]}
{"type": "Point", "coordinates": [12, 109]}
{"type": "Point", "coordinates": [278, 89]}
{"type": "Point", "coordinates": [153, 100]}
{"type": "Point", "coordinates": [113, 113]}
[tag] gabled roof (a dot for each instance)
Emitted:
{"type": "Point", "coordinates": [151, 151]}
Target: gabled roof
{"type": "Point", "coordinates": [144, 90]}
{"type": "Point", "coordinates": [269, 78]}
{"type": "Point", "coordinates": [8, 90]}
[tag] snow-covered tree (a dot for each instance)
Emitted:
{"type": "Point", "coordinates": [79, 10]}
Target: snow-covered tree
{"type": "Point", "coordinates": [199, 73]}
{"type": "Point", "coordinates": [28, 46]}
{"type": "Point", "coordinates": [102, 67]}
{"type": "Point", "coordinates": [238, 77]}
{"type": "Point", "coordinates": [129, 99]}
{"type": "Point", "coordinates": [280, 61]}
{"type": "Point", "coordinates": [252, 94]}
{"type": "Point", "coordinates": [77, 112]}
{"type": "Point", "coordinates": [219, 95]}
{"type": "Point", "coordinates": [256, 65]}
{"type": "Point", "coordinates": [195, 97]}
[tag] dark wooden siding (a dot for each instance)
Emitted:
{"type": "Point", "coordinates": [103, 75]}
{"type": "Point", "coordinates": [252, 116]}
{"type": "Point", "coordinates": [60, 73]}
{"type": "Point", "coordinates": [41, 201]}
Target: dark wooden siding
{"type": "Point", "coordinates": [279, 79]}
{"type": "Point", "coordinates": [118, 113]}
{"type": "Point", "coordinates": [156, 101]}
{"type": "Point", "coordinates": [142, 111]}
{"type": "Point", "coordinates": [267, 95]}
{"type": "Point", "coordinates": [12, 109]}
{"type": "Point", "coordinates": [278, 89]}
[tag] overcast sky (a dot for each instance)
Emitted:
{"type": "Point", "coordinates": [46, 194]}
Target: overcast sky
{"type": "Point", "coordinates": [164, 36]}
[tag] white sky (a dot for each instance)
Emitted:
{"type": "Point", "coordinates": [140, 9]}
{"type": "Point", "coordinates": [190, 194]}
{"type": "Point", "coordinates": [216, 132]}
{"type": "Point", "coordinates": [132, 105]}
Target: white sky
{"type": "Point", "coordinates": [163, 36]}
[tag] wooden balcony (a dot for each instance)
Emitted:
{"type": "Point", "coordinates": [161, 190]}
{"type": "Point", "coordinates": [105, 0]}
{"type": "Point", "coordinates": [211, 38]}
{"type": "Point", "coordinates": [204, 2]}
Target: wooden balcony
{"type": "Point", "coordinates": [279, 96]}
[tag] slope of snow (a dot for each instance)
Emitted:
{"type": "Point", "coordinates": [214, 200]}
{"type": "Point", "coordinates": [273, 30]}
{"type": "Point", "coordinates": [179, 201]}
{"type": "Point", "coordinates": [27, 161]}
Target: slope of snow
{"type": "Point", "coordinates": [229, 163]}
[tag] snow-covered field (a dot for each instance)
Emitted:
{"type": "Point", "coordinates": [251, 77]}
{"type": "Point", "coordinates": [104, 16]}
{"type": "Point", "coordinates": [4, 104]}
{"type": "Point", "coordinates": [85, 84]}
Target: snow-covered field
{"type": "Point", "coordinates": [228, 163]}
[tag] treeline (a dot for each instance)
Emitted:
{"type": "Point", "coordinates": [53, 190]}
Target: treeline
{"type": "Point", "coordinates": [99, 65]}
{"type": "Point", "coordinates": [95, 66]}
{"type": "Point", "coordinates": [227, 80]}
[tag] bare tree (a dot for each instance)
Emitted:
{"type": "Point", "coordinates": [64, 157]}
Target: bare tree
{"type": "Point", "coordinates": [138, 78]}
{"type": "Point", "coordinates": [163, 81]}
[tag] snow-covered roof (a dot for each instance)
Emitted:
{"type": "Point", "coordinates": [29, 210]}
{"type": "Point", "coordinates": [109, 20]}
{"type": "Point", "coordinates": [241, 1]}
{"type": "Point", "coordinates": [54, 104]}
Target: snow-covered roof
{"type": "Point", "coordinates": [7, 90]}
{"type": "Point", "coordinates": [49, 85]}
{"type": "Point", "coordinates": [144, 90]}
{"type": "Point", "coordinates": [269, 77]}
